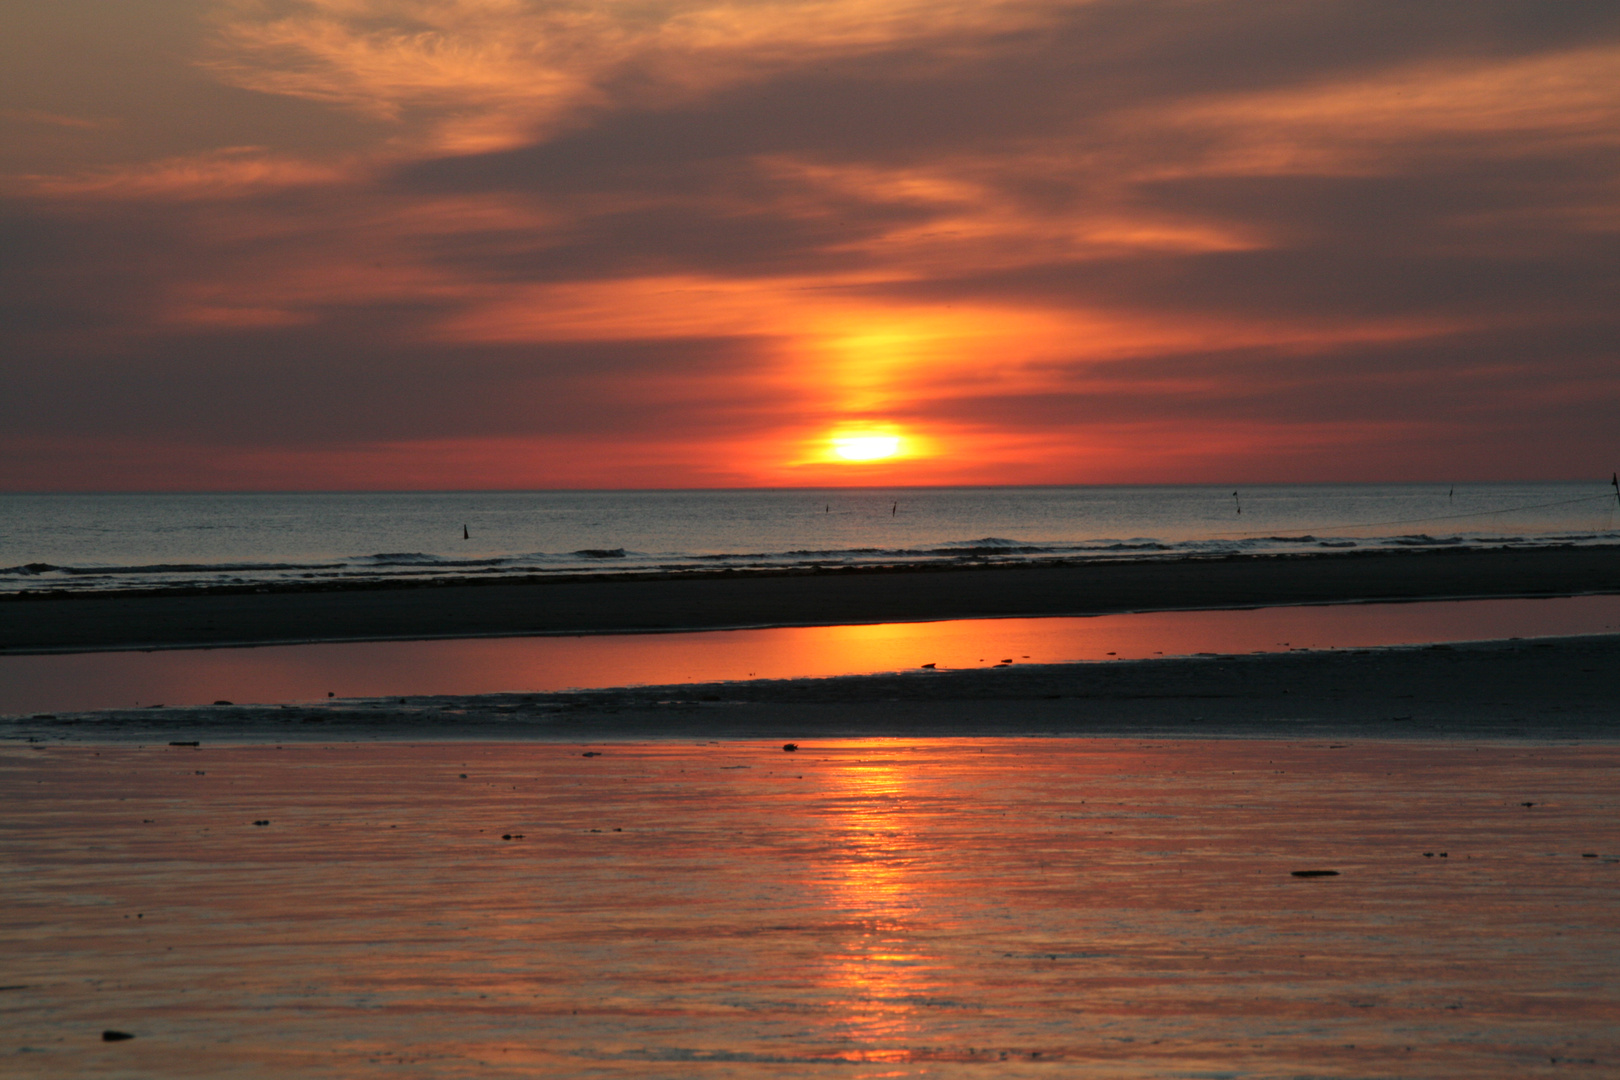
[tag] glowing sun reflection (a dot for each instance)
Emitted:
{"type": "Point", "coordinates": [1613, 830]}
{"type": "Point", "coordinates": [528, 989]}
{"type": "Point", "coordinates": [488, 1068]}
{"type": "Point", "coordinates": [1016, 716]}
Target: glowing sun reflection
{"type": "Point", "coordinates": [879, 979]}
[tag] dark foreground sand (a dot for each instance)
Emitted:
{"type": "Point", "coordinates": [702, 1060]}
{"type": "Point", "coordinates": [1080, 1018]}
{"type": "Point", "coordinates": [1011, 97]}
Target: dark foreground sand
{"type": "Point", "coordinates": [1545, 689]}
{"type": "Point", "coordinates": [54, 623]}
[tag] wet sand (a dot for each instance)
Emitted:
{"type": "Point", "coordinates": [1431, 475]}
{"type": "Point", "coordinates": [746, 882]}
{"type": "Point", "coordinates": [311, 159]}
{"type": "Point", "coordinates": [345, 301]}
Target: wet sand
{"type": "Point", "coordinates": [1108, 908]}
{"type": "Point", "coordinates": [37, 623]}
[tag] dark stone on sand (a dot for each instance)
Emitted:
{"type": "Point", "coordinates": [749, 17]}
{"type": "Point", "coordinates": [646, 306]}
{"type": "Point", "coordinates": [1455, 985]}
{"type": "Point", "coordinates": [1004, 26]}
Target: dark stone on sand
{"type": "Point", "coordinates": [506, 836]}
{"type": "Point", "coordinates": [790, 746]}
{"type": "Point", "coordinates": [1315, 873]}
{"type": "Point", "coordinates": [1527, 804]}
{"type": "Point", "coordinates": [591, 753]}
{"type": "Point", "coordinates": [115, 1036]}
{"type": "Point", "coordinates": [262, 821]}
{"type": "Point", "coordinates": [192, 743]}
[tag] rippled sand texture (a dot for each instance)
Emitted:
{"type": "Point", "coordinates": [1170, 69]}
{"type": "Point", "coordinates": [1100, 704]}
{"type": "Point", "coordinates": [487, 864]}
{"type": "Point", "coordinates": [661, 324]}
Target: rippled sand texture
{"type": "Point", "coordinates": [1097, 908]}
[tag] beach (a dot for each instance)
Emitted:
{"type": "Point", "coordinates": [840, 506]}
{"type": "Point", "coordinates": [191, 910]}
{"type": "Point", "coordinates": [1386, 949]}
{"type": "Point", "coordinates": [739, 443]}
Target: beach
{"type": "Point", "coordinates": [1541, 690]}
{"type": "Point", "coordinates": [1113, 908]}
{"type": "Point", "coordinates": [586, 604]}
{"type": "Point", "coordinates": [1552, 687]}
{"type": "Point", "coordinates": [1341, 863]}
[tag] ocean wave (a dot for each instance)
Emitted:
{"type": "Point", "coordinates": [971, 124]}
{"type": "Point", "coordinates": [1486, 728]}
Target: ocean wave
{"type": "Point", "coordinates": [167, 568]}
{"type": "Point", "coordinates": [1421, 540]}
{"type": "Point", "coordinates": [422, 558]}
{"type": "Point", "coordinates": [402, 566]}
{"type": "Point", "coordinates": [985, 543]}
{"type": "Point", "coordinates": [1122, 545]}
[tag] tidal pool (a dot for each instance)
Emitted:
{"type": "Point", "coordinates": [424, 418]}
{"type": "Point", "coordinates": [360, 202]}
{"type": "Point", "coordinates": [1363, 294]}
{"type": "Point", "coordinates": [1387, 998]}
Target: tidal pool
{"type": "Point", "coordinates": [289, 673]}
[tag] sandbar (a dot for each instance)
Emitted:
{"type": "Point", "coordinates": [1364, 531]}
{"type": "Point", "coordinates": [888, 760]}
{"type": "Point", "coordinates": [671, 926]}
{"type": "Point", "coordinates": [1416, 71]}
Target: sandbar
{"type": "Point", "coordinates": [651, 603]}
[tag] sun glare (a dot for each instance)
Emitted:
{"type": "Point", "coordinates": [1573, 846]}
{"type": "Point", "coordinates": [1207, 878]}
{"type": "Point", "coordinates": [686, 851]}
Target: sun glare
{"type": "Point", "coordinates": [865, 447]}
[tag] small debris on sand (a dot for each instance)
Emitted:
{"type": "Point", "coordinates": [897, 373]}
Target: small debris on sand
{"type": "Point", "coordinates": [790, 746]}
{"type": "Point", "coordinates": [1315, 873]}
{"type": "Point", "coordinates": [115, 1036]}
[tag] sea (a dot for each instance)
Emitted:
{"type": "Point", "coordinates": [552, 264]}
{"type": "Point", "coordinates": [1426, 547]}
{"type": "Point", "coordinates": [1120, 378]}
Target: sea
{"type": "Point", "coordinates": [126, 541]}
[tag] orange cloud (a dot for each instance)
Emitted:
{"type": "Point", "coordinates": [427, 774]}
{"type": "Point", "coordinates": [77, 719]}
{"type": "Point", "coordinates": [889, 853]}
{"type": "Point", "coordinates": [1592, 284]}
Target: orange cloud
{"type": "Point", "coordinates": [230, 173]}
{"type": "Point", "coordinates": [476, 75]}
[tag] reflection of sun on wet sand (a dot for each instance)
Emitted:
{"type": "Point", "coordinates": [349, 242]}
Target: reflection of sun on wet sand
{"type": "Point", "coordinates": [1119, 907]}
{"type": "Point", "coordinates": [877, 977]}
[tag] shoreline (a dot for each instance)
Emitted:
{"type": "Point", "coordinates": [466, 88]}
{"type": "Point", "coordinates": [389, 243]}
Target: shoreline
{"type": "Point", "coordinates": [1540, 690]}
{"type": "Point", "coordinates": [644, 604]}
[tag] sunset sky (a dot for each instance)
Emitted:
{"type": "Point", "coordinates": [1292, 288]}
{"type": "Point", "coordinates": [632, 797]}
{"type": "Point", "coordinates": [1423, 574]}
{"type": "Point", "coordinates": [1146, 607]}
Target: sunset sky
{"type": "Point", "coordinates": [333, 244]}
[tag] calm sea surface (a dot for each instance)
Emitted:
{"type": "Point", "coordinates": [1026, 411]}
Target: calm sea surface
{"type": "Point", "coordinates": [101, 542]}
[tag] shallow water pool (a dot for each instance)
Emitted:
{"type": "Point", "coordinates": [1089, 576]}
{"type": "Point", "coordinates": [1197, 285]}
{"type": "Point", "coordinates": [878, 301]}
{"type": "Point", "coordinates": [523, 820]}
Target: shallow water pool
{"type": "Point", "coordinates": [287, 673]}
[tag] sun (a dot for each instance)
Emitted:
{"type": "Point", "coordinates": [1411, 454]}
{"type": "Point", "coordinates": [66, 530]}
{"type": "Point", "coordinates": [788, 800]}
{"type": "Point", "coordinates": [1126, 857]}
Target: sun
{"type": "Point", "coordinates": [865, 446]}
